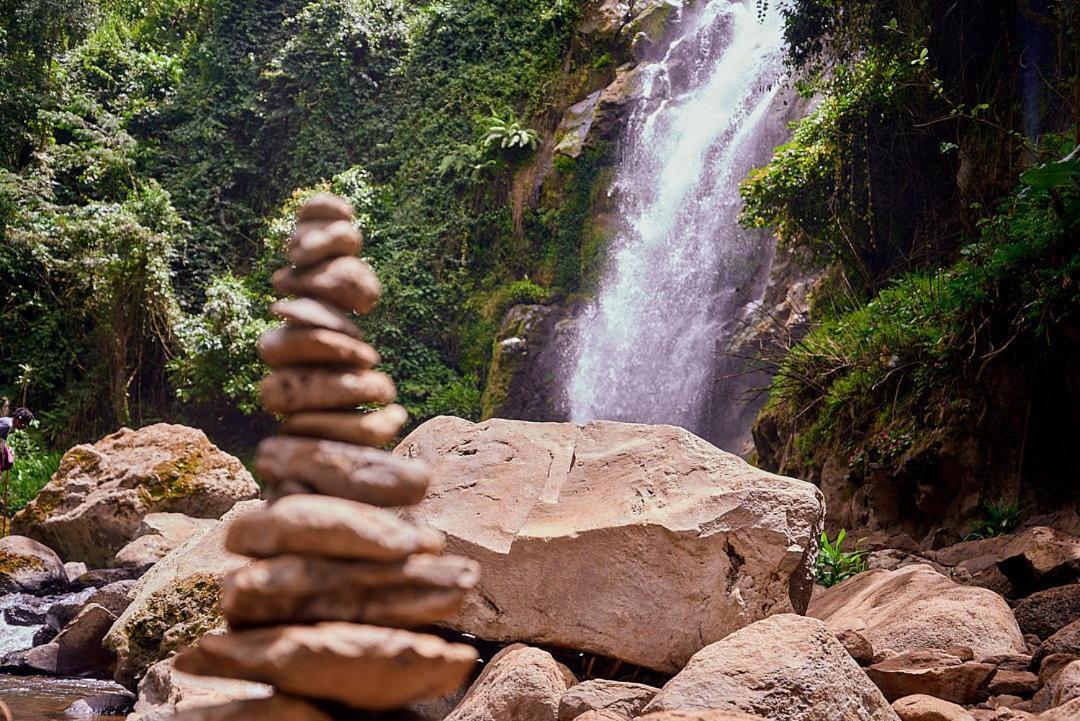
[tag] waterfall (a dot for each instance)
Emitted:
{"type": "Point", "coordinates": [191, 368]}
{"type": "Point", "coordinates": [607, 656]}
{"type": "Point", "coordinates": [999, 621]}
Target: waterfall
{"type": "Point", "coordinates": [681, 270]}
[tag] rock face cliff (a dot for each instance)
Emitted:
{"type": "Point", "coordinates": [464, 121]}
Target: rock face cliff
{"type": "Point", "coordinates": [585, 531]}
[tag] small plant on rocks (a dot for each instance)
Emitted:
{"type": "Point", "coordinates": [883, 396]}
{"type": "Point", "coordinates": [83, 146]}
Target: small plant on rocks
{"type": "Point", "coordinates": [834, 564]}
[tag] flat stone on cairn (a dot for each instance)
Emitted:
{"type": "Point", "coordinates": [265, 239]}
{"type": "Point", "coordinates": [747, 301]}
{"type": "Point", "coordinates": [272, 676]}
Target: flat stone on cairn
{"type": "Point", "coordinates": [335, 568]}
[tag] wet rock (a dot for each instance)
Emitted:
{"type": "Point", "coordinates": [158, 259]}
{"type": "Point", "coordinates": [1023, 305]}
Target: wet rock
{"type": "Point", "coordinates": [931, 672]}
{"type": "Point", "coordinates": [343, 470]}
{"type": "Point", "coordinates": [79, 646]}
{"type": "Point", "coordinates": [784, 668]}
{"type": "Point", "coordinates": [627, 699]}
{"type": "Point", "coordinates": [95, 503]}
{"type": "Point", "coordinates": [920, 707]}
{"type": "Point", "coordinates": [312, 313]}
{"type": "Point", "coordinates": [375, 428]}
{"type": "Point", "coordinates": [346, 283]}
{"type": "Point", "coordinates": [329, 527]}
{"type": "Point", "coordinates": [694, 541]}
{"type": "Point", "coordinates": [105, 576]}
{"type": "Point", "coordinates": [22, 609]}
{"type": "Point", "coordinates": [63, 611]}
{"type": "Point", "coordinates": [518, 684]}
{"type": "Point", "coordinates": [1047, 612]}
{"type": "Point", "coordinates": [164, 691]}
{"type": "Point", "coordinates": [103, 704]}
{"type": "Point", "coordinates": [291, 390]}
{"type": "Point", "coordinates": [574, 127]}
{"type": "Point", "coordinates": [158, 534]}
{"type": "Point", "coordinates": [29, 566]}
{"type": "Point", "coordinates": [418, 591]}
{"type": "Point", "coordinates": [314, 242]}
{"type": "Point", "coordinates": [364, 667]}
{"type": "Point", "coordinates": [916, 607]}
{"type": "Point", "coordinates": [176, 601]}
{"type": "Point", "coordinates": [43, 658]}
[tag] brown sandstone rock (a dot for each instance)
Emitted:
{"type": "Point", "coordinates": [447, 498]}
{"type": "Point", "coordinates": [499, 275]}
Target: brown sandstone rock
{"type": "Point", "coordinates": [312, 346]}
{"type": "Point", "coordinates": [1033, 558]}
{"type": "Point", "coordinates": [29, 566]}
{"type": "Point", "coordinates": [1064, 686]}
{"type": "Point", "coordinates": [301, 388]}
{"type": "Point", "coordinates": [916, 607]}
{"type": "Point", "coordinates": [699, 716]}
{"type": "Point", "coordinates": [695, 542]}
{"type": "Point", "coordinates": [158, 534]}
{"type": "Point", "coordinates": [602, 716]}
{"type": "Point", "coordinates": [312, 313]}
{"type": "Point", "coordinates": [857, 646]}
{"type": "Point", "coordinates": [95, 504]}
{"type": "Point", "coordinates": [1047, 612]}
{"type": "Point", "coordinates": [624, 698]}
{"type": "Point", "coordinates": [365, 667]}
{"type": "Point", "coordinates": [176, 601]}
{"type": "Point", "coordinates": [1067, 712]}
{"type": "Point", "coordinates": [920, 707]}
{"type": "Point", "coordinates": [329, 527]}
{"type": "Point", "coordinates": [784, 668]}
{"type": "Point", "coordinates": [343, 470]}
{"type": "Point", "coordinates": [347, 283]}
{"type": "Point", "coordinates": [376, 428]}
{"type": "Point", "coordinates": [518, 684]}
{"type": "Point", "coordinates": [1065, 640]}
{"type": "Point", "coordinates": [932, 672]}
{"type": "Point", "coordinates": [272, 708]}
{"type": "Point", "coordinates": [301, 589]}
{"type": "Point", "coordinates": [315, 242]}
{"type": "Point", "coordinates": [1019, 683]}
{"type": "Point", "coordinates": [324, 206]}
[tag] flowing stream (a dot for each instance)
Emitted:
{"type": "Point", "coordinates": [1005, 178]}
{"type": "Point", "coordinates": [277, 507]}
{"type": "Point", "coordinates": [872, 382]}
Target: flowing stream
{"type": "Point", "coordinates": [682, 273]}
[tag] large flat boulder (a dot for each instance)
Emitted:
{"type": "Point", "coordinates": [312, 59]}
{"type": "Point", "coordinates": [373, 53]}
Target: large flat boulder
{"type": "Point", "coordinates": [177, 601]}
{"type": "Point", "coordinates": [783, 668]}
{"type": "Point", "coordinates": [95, 503]}
{"type": "Point", "coordinates": [639, 542]}
{"type": "Point", "coordinates": [917, 607]}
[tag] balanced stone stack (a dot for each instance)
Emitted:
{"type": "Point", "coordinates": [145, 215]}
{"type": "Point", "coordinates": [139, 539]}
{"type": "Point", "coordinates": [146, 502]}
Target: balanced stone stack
{"type": "Point", "coordinates": [322, 614]}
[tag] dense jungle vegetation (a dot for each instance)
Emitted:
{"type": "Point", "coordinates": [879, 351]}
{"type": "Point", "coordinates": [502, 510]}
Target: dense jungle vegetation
{"type": "Point", "coordinates": [939, 176]}
{"type": "Point", "coordinates": [153, 153]}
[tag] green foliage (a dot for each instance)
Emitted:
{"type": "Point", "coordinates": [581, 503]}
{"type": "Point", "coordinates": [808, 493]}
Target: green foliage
{"type": "Point", "coordinates": [508, 134]}
{"type": "Point", "coordinates": [35, 464]}
{"type": "Point", "coordinates": [1000, 519]}
{"type": "Point", "coordinates": [835, 564]}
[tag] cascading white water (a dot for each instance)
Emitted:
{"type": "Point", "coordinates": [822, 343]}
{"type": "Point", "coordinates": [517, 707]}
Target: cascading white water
{"type": "Point", "coordinates": [681, 269]}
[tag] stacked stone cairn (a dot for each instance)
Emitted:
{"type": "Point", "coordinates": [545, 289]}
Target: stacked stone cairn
{"type": "Point", "coordinates": [323, 614]}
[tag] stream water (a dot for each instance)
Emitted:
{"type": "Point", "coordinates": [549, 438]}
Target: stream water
{"type": "Point", "coordinates": [38, 698]}
{"type": "Point", "coordinates": [681, 273]}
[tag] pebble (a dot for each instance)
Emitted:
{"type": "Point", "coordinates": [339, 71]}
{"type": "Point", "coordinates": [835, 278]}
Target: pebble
{"type": "Point", "coordinates": [289, 390]}
{"type": "Point", "coordinates": [376, 428]}
{"type": "Point", "coordinates": [331, 528]}
{"type": "Point", "coordinates": [341, 469]}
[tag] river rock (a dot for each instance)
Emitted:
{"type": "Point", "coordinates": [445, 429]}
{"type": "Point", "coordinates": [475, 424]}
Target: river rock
{"type": "Point", "coordinates": [329, 527]}
{"type": "Point", "coordinates": [158, 534]}
{"type": "Point", "coordinates": [1066, 640]}
{"type": "Point", "coordinates": [932, 672]}
{"type": "Point", "coordinates": [314, 242]}
{"type": "Point", "coordinates": [695, 542]}
{"type": "Point", "coordinates": [364, 667]}
{"type": "Point", "coordinates": [176, 601]}
{"type": "Point", "coordinates": [74, 569]}
{"type": "Point", "coordinates": [375, 428]}
{"type": "Point", "coordinates": [324, 207]}
{"type": "Point", "coordinates": [303, 589]}
{"type": "Point", "coordinates": [290, 390]}
{"type": "Point", "coordinates": [1047, 612]}
{"type": "Point", "coordinates": [312, 313]}
{"type": "Point", "coordinates": [313, 346]}
{"type": "Point", "coordinates": [920, 707]}
{"type": "Point", "coordinates": [916, 607]}
{"type": "Point", "coordinates": [95, 503]}
{"type": "Point", "coordinates": [343, 470]}
{"type": "Point", "coordinates": [23, 609]}
{"type": "Point", "coordinates": [620, 697]}
{"type": "Point", "coordinates": [110, 703]}
{"type": "Point", "coordinates": [346, 283]}
{"type": "Point", "coordinates": [164, 690]}
{"type": "Point", "coordinates": [518, 684]}
{"type": "Point", "coordinates": [784, 668]}
{"type": "Point", "coordinates": [79, 646]}
{"type": "Point", "coordinates": [29, 566]}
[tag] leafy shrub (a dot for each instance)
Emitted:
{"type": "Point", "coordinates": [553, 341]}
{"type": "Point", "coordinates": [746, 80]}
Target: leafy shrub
{"type": "Point", "coordinates": [1000, 519]}
{"type": "Point", "coordinates": [35, 464]}
{"type": "Point", "coordinates": [834, 564]}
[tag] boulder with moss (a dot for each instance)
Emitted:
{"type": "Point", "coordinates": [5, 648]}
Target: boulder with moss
{"type": "Point", "coordinates": [95, 503]}
{"type": "Point", "coordinates": [176, 602]}
{"type": "Point", "coordinates": [28, 566]}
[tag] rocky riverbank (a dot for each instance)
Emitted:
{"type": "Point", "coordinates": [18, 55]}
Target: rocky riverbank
{"type": "Point", "coordinates": [628, 572]}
